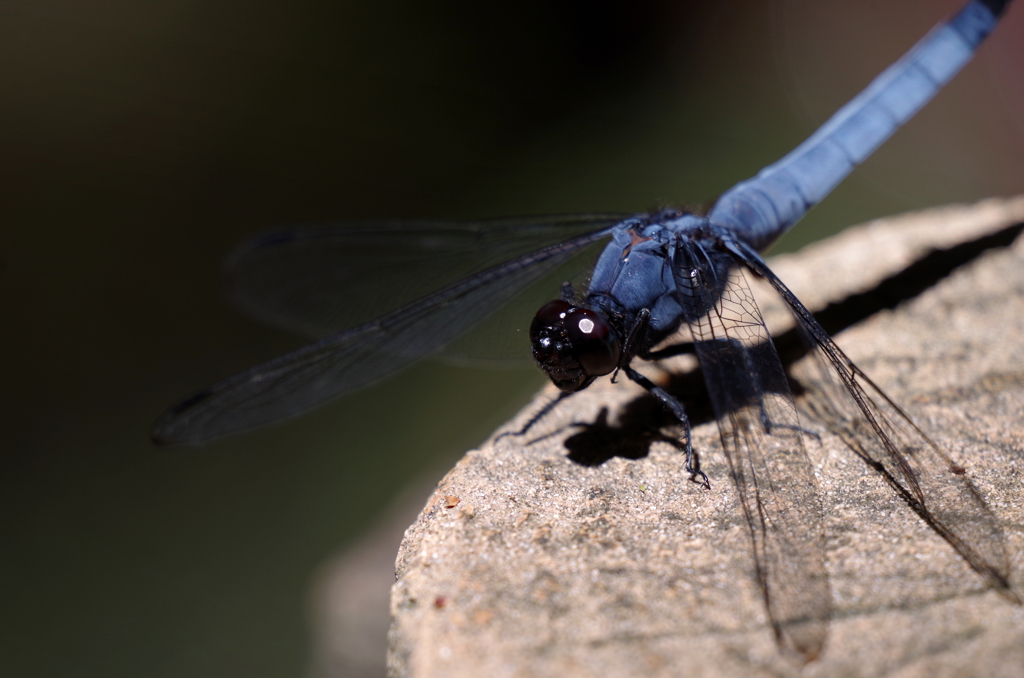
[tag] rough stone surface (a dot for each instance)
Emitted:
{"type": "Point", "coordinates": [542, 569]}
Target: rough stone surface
{"type": "Point", "coordinates": [528, 563]}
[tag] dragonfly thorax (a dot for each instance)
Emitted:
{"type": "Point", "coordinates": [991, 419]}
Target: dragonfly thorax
{"type": "Point", "coordinates": [573, 345]}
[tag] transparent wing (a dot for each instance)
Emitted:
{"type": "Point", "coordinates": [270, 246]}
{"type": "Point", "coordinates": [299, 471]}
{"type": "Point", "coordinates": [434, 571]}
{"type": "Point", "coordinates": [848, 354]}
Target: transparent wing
{"type": "Point", "coordinates": [880, 433]}
{"type": "Point", "coordinates": [307, 378]}
{"type": "Point", "coordinates": [319, 280]}
{"type": "Point", "coordinates": [761, 435]}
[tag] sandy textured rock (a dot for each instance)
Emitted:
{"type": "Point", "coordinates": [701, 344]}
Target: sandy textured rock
{"type": "Point", "coordinates": [580, 549]}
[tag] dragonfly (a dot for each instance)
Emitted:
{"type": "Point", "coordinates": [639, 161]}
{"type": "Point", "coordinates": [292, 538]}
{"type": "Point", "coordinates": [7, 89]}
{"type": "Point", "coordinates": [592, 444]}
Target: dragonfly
{"type": "Point", "coordinates": [386, 294]}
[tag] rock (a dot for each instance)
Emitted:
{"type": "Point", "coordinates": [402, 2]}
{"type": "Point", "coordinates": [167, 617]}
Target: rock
{"type": "Point", "coordinates": [581, 549]}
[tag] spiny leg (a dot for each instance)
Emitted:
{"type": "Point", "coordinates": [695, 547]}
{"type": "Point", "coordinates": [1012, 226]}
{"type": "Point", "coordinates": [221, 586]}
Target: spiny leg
{"type": "Point", "coordinates": [674, 406]}
{"type": "Point", "coordinates": [632, 345]}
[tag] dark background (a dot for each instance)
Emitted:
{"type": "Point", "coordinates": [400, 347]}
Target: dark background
{"type": "Point", "coordinates": [139, 141]}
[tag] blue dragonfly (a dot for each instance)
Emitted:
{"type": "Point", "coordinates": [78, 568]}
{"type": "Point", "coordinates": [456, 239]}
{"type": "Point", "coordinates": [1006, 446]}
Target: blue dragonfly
{"type": "Point", "coordinates": [664, 283]}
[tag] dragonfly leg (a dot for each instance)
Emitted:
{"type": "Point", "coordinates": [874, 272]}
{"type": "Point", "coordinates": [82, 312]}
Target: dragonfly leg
{"type": "Point", "coordinates": [633, 344]}
{"type": "Point", "coordinates": [674, 406]}
{"type": "Point", "coordinates": [636, 333]}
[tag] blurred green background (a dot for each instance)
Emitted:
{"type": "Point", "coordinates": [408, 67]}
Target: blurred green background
{"type": "Point", "coordinates": [139, 141]}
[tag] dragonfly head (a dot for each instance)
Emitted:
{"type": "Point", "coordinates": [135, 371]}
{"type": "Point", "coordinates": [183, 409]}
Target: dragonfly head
{"type": "Point", "coordinates": [573, 345]}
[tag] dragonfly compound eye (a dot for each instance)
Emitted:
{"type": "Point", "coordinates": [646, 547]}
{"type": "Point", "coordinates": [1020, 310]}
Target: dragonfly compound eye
{"type": "Point", "coordinates": [550, 315]}
{"type": "Point", "coordinates": [593, 340]}
{"type": "Point", "coordinates": [552, 349]}
{"type": "Point", "coordinates": [573, 345]}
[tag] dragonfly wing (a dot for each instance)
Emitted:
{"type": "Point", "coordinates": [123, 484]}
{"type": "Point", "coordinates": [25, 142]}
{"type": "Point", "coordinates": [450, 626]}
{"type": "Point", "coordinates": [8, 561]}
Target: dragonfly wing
{"type": "Point", "coordinates": [322, 279]}
{"type": "Point", "coordinates": [310, 377]}
{"type": "Point", "coordinates": [762, 208]}
{"type": "Point", "coordinates": [761, 436]}
{"type": "Point", "coordinates": [883, 435]}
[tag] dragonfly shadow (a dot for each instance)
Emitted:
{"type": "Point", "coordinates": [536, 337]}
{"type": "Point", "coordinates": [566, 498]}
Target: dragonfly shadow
{"type": "Point", "coordinates": [644, 420]}
{"type": "Point", "coordinates": [629, 438]}
{"type": "Point", "coordinates": [892, 291]}
{"type": "Point", "coordinates": [640, 423]}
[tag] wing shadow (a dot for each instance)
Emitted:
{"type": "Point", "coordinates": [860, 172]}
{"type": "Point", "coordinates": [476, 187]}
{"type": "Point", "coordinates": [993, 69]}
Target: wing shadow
{"type": "Point", "coordinates": [642, 421]}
